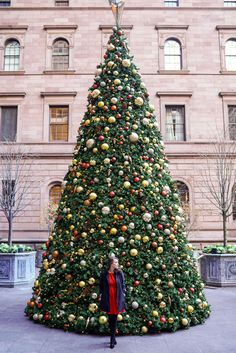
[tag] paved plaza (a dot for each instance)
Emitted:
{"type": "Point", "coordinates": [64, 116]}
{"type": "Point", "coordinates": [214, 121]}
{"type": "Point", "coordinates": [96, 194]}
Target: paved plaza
{"type": "Point", "coordinates": [20, 335]}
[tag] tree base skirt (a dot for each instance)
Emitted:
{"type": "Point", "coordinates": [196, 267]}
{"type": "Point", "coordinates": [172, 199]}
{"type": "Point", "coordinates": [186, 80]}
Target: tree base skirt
{"type": "Point", "coordinates": [219, 270]}
{"type": "Point", "coordinates": [17, 269]}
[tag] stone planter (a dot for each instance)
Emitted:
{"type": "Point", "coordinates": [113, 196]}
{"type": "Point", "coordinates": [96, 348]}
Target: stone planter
{"type": "Point", "coordinates": [17, 269]}
{"type": "Point", "coordinates": [39, 257]}
{"type": "Point", "coordinates": [219, 269]}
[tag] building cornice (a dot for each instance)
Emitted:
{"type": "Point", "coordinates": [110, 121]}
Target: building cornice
{"type": "Point", "coordinates": [58, 94]}
{"type": "Point", "coordinates": [174, 94]}
{"type": "Point", "coordinates": [61, 27]}
{"type": "Point", "coordinates": [13, 27]}
{"type": "Point", "coordinates": [227, 94]}
{"type": "Point", "coordinates": [226, 27]}
{"type": "Point", "coordinates": [127, 27]}
{"type": "Point", "coordinates": [128, 8]}
{"type": "Point", "coordinates": [12, 94]}
{"type": "Point", "coordinates": [171, 27]}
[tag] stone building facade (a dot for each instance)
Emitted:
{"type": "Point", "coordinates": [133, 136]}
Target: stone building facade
{"type": "Point", "coordinates": [186, 52]}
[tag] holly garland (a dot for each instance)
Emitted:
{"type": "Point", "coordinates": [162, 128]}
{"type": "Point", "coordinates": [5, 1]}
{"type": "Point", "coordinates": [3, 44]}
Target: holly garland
{"type": "Point", "coordinates": [119, 199]}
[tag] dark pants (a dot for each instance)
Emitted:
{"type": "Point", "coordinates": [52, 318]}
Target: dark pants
{"type": "Point", "coordinates": [112, 324]}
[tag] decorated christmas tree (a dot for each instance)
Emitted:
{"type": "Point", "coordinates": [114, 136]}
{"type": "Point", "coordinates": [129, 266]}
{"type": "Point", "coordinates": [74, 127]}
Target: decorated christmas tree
{"type": "Point", "coordinates": [119, 199]}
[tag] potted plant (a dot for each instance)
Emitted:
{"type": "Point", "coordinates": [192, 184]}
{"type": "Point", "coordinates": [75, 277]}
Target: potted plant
{"type": "Point", "coordinates": [218, 265]}
{"type": "Point", "coordinates": [17, 262]}
{"type": "Point", "coordinates": [17, 265]}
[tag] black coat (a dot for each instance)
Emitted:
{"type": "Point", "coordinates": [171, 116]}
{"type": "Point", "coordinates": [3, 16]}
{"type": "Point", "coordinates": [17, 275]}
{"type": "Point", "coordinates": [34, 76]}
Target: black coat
{"type": "Point", "coordinates": [120, 290]}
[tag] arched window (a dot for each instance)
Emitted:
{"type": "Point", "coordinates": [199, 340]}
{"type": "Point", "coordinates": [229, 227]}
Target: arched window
{"type": "Point", "coordinates": [60, 55]}
{"type": "Point", "coordinates": [12, 55]}
{"type": "Point", "coordinates": [230, 54]}
{"type": "Point", "coordinates": [172, 54]}
{"type": "Point", "coordinates": [183, 192]}
{"type": "Point", "coordinates": [55, 193]}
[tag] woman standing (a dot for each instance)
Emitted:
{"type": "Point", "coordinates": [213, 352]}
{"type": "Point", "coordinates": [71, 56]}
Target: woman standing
{"type": "Point", "coordinates": [112, 290]}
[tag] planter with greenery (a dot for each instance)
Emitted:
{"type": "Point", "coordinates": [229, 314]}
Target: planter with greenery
{"type": "Point", "coordinates": [17, 265]}
{"type": "Point", "coordinates": [218, 265]}
{"type": "Point", "coordinates": [17, 262]}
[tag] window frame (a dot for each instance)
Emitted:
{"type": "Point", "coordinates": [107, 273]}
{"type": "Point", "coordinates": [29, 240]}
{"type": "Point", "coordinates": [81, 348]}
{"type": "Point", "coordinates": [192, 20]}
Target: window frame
{"type": "Point", "coordinates": [229, 55]}
{"type": "Point", "coordinates": [57, 3]}
{"type": "Point", "coordinates": [16, 128]}
{"type": "Point", "coordinates": [51, 124]}
{"type": "Point", "coordinates": [8, 42]}
{"type": "Point", "coordinates": [184, 121]}
{"type": "Point", "coordinates": [228, 3]}
{"type": "Point", "coordinates": [171, 1]}
{"type": "Point", "coordinates": [180, 55]}
{"type": "Point", "coordinates": [6, 1]}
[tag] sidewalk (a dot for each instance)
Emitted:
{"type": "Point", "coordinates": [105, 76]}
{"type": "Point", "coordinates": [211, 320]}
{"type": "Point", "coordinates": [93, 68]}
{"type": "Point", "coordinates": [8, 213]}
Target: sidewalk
{"type": "Point", "coordinates": [20, 335]}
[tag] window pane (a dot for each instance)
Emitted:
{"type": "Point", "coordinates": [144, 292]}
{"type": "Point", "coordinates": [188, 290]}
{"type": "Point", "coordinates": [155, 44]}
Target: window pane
{"type": "Point", "coordinates": [230, 3]}
{"type": "Point", "coordinates": [59, 117]}
{"type": "Point", "coordinates": [232, 121]}
{"type": "Point", "coordinates": [62, 3]}
{"type": "Point", "coordinates": [12, 56]}
{"type": "Point", "coordinates": [8, 126]}
{"type": "Point", "coordinates": [60, 55]}
{"type": "Point", "coordinates": [175, 123]}
{"type": "Point", "coordinates": [171, 3]}
{"type": "Point", "coordinates": [173, 55]}
{"type": "Point", "coordinates": [55, 193]}
{"type": "Point", "coordinates": [5, 3]}
{"type": "Point", "coordinates": [230, 54]}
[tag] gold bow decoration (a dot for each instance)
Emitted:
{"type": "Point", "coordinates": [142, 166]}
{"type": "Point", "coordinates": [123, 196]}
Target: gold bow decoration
{"type": "Point", "coordinates": [117, 7]}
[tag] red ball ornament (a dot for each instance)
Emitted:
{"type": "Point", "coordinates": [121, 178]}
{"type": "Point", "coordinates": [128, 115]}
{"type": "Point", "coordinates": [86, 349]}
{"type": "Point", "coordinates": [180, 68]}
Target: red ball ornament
{"type": "Point", "coordinates": [162, 319]}
{"type": "Point", "coordinates": [44, 254]}
{"type": "Point", "coordinates": [136, 283]}
{"type": "Point", "coordinates": [192, 289]}
{"type": "Point", "coordinates": [123, 228]}
{"type": "Point", "coordinates": [118, 116]}
{"type": "Point", "coordinates": [40, 305]}
{"type": "Point", "coordinates": [100, 241]}
{"type": "Point", "coordinates": [105, 56]}
{"type": "Point", "coordinates": [149, 323]}
{"type": "Point", "coordinates": [111, 193]}
{"type": "Point", "coordinates": [113, 160]}
{"type": "Point", "coordinates": [136, 179]}
{"type": "Point", "coordinates": [75, 233]}
{"type": "Point", "coordinates": [180, 290]}
{"type": "Point", "coordinates": [130, 213]}
{"type": "Point", "coordinates": [159, 226]}
{"type": "Point", "coordinates": [156, 212]}
{"type": "Point", "coordinates": [164, 193]}
{"type": "Point", "coordinates": [100, 138]}
{"type": "Point", "coordinates": [123, 253]}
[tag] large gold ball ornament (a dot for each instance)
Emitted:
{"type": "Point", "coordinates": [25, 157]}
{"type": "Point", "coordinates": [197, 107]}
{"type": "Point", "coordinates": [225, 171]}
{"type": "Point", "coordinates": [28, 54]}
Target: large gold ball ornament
{"type": "Point", "coordinates": [190, 309]}
{"type": "Point", "coordinates": [137, 237]}
{"type": "Point", "coordinates": [101, 104]}
{"type": "Point", "coordinates": [144, 329]}
{"type": "Point", "coordinates": [81, 284]}
{"type": "Point", "coordinates": [102, 320]}
{"type": "Point", "coordinates": [139, 101]}
{"type": "Point", "coordinates": [71, 317]}
{"type": "Point", "coordinates": [104, 146]}
{"type": "Point", "coordinates": [159, 249]}
{"type": "Point", "coordinates": [184, 322]}
{"type": "Point", "coordinates": [171, 320]}
{"type": "Point", "coordinates": [119, 317]}
{"type": "Point", "coordinates": [155, 313]}
{"type": "Point", "coordinates": [133, 252]}
{"type": "Point", "coordinates": [113, 231]}
{"type": "Point", "coordinates": [111, 120]}
{"type": "Point", "coordinates": [91, 280]}
{"type": "Point", "coordinates": [126, 63]}
{"type": "Point", "coordinates": [93, 196]}
{"type": "Point", "coordinates": [93, 307]}
{"type": "Point", "coordinates": [81, 252]}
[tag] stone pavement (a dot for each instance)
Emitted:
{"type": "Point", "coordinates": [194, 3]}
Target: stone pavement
{"type": "Point", "coordinates": [20, 335]}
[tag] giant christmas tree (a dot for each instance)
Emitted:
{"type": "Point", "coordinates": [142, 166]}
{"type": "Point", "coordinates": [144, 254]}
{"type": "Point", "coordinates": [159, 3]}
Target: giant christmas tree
{"type": "Point", "coordinates": [119, 198]}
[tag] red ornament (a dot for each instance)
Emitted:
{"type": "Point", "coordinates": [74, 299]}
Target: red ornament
{"type": "Point", "coordinates": [100, 241]}
{"type": "Point", "coordinates": [113, 107]}
{"type": "Point", "coordinates": [123, 253]}
{"type": "Point", "coordinates": [162, 319]}
{"type": "Point", "coordinates": [105, 56]}
{"type": "Point", "coordinates": [192, 289]}
{"type": "Point", "coordinates": [159, 226]}
{"type": "Point", "coordinates": [136, 283]}
{"type": "Point", "coordinates": [180, 290]}
{"type": "Point", "coordinates": [100, 138]}
{"type": "Point", "coordinates": [149, 323]}
{"type": "Point", "coordinates": [75, 233]}
{"type": "Point", "coordinates": [136, 179]}
{"type": "Point", "coordinates": [164, 193]}
{"type": "Point", "coordinates": [118, 116]}
{"type": "Point", "coordinates": [156, 212]}
{"type": "Point", "coordinates": [123, 228]}
{"type": "Point", "coordinates": [113, 160]}
{"type": "Point", "coordinates": [40, 305]}
{"type": "Point", "coordinates": [111, 193]}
